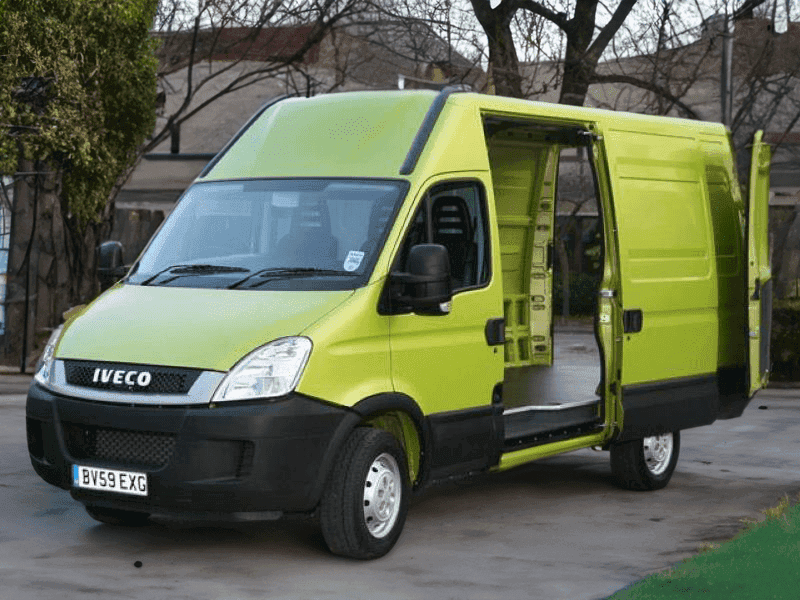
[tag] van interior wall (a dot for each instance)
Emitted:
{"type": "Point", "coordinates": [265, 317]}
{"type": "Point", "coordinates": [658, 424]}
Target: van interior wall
{"type": "Point", "coordinates": [541, 370]}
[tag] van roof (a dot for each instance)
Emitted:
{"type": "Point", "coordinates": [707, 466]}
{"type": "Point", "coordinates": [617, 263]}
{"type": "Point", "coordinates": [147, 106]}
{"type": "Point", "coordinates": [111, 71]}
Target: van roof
{"type": "Point", "coordinates": [363, 134]}
{"type": "Point", "coordinates": [371, 134]}
{"type": "Point", "coordinates": [548, 110]}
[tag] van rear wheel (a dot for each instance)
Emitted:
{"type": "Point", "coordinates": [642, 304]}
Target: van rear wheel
{"type": "Point", "coordinates": [646, 463]}
{"type": "Point", "coordinates": [365, 502]}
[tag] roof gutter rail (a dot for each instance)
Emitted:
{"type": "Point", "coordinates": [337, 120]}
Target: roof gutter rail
{"type": "Point", "coordinates": [418, 145]}
{"type": "Point", "coordinates": [269, 104]}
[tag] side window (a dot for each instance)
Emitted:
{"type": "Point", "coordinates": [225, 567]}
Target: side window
{"type": "Point", "coordinates": [454, 215]}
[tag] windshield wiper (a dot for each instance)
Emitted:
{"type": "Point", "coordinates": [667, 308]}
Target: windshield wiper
{"type": "Point", "coordinates": [193, 269]}
{"type": "Point", "coordinates": [277, 272]}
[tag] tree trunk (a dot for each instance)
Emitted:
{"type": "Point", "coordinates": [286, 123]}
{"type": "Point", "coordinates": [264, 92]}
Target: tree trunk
{"type": "Point", "coordinates": [503, 61]}
{"type": "Point", "coordinates": [583, 54]}
{"type": "Point", "coordinates": [51, 263]}
{"type": "Point", "coordinates": [577, 67]}
{"type": "Point", "coordinates": [80, 243]}
{"type": "Point", "coordinates": [20, 300]}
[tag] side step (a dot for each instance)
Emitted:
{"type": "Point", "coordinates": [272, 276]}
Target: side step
{"type": "Point", "coordinates": [533, 425]}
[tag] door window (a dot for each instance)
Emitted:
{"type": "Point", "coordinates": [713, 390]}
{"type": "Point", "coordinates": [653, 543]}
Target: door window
{"type": "Point", "coordinates": [454, 215]}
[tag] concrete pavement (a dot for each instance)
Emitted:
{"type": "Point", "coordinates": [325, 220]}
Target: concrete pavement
{"type": "Point", "coordinates": [14, 383]}
{"type": "Point", "coordinates": [555, 529]}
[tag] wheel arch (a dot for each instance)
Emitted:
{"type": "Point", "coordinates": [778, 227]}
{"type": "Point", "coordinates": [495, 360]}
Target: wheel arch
{"type": "Point", "coordinates": [400, 416]}
{"type": "Point", "coordinates": [394, 413]}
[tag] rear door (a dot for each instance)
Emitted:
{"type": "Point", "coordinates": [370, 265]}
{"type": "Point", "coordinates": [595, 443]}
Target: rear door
{"type": "Point", "coordinates": [759, 273]}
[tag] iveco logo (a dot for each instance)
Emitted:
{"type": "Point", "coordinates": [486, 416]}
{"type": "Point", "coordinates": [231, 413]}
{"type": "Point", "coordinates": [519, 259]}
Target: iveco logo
{"type": "Point", "coordinates": [121, 377]}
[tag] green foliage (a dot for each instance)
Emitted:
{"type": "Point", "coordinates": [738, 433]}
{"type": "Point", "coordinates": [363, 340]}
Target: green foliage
{"type": "Point", "coordinates": [785, 341]}
{"type": "Point", "coordinates": [760, 562]}
{"type": "Point", "coordinates": [93, 100]}
{"type": "Point", "coordinates": [582, 293]}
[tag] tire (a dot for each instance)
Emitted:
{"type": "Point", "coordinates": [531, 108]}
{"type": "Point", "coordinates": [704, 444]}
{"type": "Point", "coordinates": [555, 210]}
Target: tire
{"type": "Point", "coordinates": [647, 463]}
{"type": "Point", "coordinates": [113, 516]}
{"type": "Point", "coordinates": [364, 505]}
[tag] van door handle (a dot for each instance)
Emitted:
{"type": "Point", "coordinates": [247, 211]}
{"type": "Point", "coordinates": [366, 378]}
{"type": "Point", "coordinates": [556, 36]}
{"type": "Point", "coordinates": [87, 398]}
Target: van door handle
{"type": "Point", "coordinates": [632, 321]}
{"type": "Point", "coordinates": [495, 331]}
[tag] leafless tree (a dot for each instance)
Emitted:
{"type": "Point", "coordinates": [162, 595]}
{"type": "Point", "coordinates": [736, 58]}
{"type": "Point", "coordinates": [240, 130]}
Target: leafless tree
{"type": "Point", "coordinates": [249, 42]}
{"type": "Point", "coordinates": [584, 40]}
{"type": "Point", "coordinates": [431, 42]}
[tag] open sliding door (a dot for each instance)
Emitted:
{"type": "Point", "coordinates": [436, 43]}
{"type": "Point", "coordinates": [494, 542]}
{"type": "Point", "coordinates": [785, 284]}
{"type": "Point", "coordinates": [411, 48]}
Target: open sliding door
{"type": "Point", "coordinates": [524, 176]}
{"type": "Point", "coordinates": [759, 273]}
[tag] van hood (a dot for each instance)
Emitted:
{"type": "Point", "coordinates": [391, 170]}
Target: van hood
{"type": "Point", "coordinates": [186, 327]}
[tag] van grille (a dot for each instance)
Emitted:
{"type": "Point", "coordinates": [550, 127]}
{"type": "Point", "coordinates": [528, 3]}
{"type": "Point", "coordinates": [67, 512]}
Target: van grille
{"type": "Point", "coordinates": [135, 448]}
{"type": "Point", "coordinates": [163, 380]}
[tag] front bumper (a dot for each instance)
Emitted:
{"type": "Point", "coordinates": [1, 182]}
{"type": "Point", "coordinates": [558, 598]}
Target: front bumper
{"type": "Point", "coordinates": [260, 457]}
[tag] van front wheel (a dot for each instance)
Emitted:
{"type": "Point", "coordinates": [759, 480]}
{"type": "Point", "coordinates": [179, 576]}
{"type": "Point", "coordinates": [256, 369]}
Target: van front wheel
{"type": "Point", "coordinates": [646, 463]}
{"type": "Point", "coordinates": [365, 502]}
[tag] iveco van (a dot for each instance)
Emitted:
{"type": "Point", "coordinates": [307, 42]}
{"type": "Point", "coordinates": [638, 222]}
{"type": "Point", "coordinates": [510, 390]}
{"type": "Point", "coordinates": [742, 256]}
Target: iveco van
{"type": "Point", "coordinates": [355, 299]}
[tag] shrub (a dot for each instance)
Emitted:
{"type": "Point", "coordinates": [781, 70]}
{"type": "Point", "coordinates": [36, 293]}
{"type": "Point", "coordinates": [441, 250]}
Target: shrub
{"type": "Point", "coordinates": [785, 342]}
{"type": "Point", "coordinates": [582, 293]}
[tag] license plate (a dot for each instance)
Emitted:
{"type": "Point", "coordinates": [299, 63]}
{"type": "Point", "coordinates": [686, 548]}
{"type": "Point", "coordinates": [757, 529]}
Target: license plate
{"type": "Point", "coordinates": [109, 480]}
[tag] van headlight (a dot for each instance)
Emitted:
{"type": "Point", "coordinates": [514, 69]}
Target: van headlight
{"type": "Point", "coordinates": [267, 372]}
{"type": "Point", "coordinates": [44, 368]}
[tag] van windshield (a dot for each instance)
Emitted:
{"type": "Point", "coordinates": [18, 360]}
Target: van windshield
{"type": "Point", "coordinates": [286, 234]}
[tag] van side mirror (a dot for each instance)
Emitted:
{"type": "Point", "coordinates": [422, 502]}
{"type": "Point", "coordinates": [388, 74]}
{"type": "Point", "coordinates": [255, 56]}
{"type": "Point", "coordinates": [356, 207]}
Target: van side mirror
{"type": "Point", "coordinates": [110, 265]}
{"type": "Point", "coordinates": [426, 283]}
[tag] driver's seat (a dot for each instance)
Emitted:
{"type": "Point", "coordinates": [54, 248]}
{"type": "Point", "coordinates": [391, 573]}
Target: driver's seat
{"type": "Point", "coordinates": [310, 243]}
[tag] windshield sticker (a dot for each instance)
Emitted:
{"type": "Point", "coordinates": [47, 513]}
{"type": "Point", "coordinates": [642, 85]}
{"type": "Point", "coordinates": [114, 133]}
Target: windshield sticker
{"type": "Point", "coordinates": [223, 207]}
{"type": "Point", "coordinates": [353, 260]}
{"type": "Point", "coordinates": [286, 199]}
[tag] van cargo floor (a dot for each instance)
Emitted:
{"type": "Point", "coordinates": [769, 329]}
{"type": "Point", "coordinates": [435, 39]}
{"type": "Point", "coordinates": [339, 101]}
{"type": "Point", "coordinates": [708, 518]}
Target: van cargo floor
{"type": "Point", "coordinates": [573, 378]}
{"type": "Point", "coordinates": [543, 404]}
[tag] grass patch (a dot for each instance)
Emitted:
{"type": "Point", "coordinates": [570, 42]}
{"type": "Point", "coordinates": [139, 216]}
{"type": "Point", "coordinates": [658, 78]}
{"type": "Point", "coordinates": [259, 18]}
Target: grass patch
{"type": "Point", "coordinates": [760, 562]}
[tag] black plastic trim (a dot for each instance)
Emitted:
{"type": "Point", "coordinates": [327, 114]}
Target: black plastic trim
{"type": "Point", "coordinates": [632, 321]}
{"type": "Point", "coordinates": [253, 458]}
{"type": "Point", "coordinates": [161, 380]}
{"type": "Point", "coordinates": [424, 132]}
{"type": "Point", "coordinates": [657, 408]}
{"type": "Point", "coordinates": [566, 432]}
{"type": "Point", "coordinates": [496, 331]}
{"type": "Point", "coordinates": [465, 441]}
{"type": "Point", "coordinates": [733, 391]}
{"type": "Point", "coordinates": [269, 104]}
{"type": "Point", "coordinates": [392, 401]}
{"type": "Point", "coordinates": [765, 327]}
{"type": "Point", "coordinates": [382, 403]}
{"type": "Point", "coordinates": [169, 156]}
{"type": "Point", "coordinates": [529, 427]}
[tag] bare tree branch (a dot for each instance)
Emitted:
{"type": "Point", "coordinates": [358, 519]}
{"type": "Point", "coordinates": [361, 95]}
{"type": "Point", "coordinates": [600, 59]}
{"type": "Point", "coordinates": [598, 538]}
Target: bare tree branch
{"type": "Point", "coordinates": [650, 86]}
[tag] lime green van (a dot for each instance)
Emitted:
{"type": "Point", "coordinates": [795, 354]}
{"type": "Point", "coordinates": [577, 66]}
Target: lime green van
{"type": "Point", "coordinates": [355, 300]}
